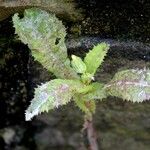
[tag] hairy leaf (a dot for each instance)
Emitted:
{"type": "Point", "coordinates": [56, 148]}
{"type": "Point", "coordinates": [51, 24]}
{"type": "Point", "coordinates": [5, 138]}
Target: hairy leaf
{"type": "Point", "coordinates": [45, 36]}
{"type": "Point", "coordinates": [97, 92]}
{"type": "Point", "coordinates": [78, 65]}
{"type": "Point", "coordinates": [132, 85]}
{"type": "Point", "coordinates": [95, 57]}
{"type": "Point", "coordinates": [51, 95]}
{"type": "Point", "coordinates": [87, 78]}
{"type": "Point", "coordinates": [86, 106]}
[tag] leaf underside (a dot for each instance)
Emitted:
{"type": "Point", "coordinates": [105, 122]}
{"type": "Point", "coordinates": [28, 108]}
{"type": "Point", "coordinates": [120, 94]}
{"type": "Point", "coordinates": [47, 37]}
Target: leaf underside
{"type": "Point", "coordinates": [131, 85]}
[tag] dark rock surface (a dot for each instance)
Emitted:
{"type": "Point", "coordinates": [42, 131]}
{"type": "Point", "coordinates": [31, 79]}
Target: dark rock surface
{"type": "Point", "coordinates": [120, 125]}
{"type": "Point", "coordinates": [115, 19]}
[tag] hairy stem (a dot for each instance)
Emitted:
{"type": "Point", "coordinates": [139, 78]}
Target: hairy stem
{"type": "Point", "coordinates": [89, 134]}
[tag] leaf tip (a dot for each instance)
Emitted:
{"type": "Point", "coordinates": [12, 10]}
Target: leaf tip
{"type": "Point", "coordinates": [28, 116]}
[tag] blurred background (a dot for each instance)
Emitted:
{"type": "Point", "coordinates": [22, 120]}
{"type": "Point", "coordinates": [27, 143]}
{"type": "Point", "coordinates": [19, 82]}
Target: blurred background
{"type": "Point", "coordinates": [120, 125]}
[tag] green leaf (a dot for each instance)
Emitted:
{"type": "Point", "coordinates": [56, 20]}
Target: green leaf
{"type": "Point", "coordinates": [95, 57]}
{"type": "Point", "coordinates": [51, 95]}
{"type": "Point", "coordinates": [86, 106]}
{"type": "Point", "coordinates": [85, 101]}
{"type": "Point", "coordinates": [40, 30]}
{"type": "Point", "coordinates": [87, 78]}
{"type": "Point", "coordinates": [45, 36]}
{"type": "Point", "coordinates": [97, 92]}
{"type": "Point", "coordinates": [78, 65]}
{"type": "Point", "coordinates": [131, 85]}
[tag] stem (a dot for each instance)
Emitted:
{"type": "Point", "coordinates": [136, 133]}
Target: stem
{"type": "Point", "coordinates": [89, 135]}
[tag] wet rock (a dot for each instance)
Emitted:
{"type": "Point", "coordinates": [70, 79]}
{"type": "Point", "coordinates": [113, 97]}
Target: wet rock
{"type": "Point", "coordinates": [63, 8]}
{"type": "Point", "coordinates": [20, 148]}
{"type": "Point", "coordinates": [11, 137]}
{"type": "Point", "coordinates": [49, 138]}
{"type": "Point", "coordinates": [50, 119]}
{"type": "Point", "coordinates": [8, 135]}
{"type": "Point", "coordinates": [75, 140]}
{"type": "Point", "coordinates": [13, 83]}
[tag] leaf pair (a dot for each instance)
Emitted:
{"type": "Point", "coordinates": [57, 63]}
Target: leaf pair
{"type": "Point", "coordinates": [91, 62]}
{"type": "Point", "coordinates": [132, 85]}
{"type": "Point", "coordinates": [53, 94]}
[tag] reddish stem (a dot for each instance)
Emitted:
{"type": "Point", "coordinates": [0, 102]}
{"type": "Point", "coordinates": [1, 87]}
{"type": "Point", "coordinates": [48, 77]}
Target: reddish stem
{"type": "Point", "coordinates": [89, 135]}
